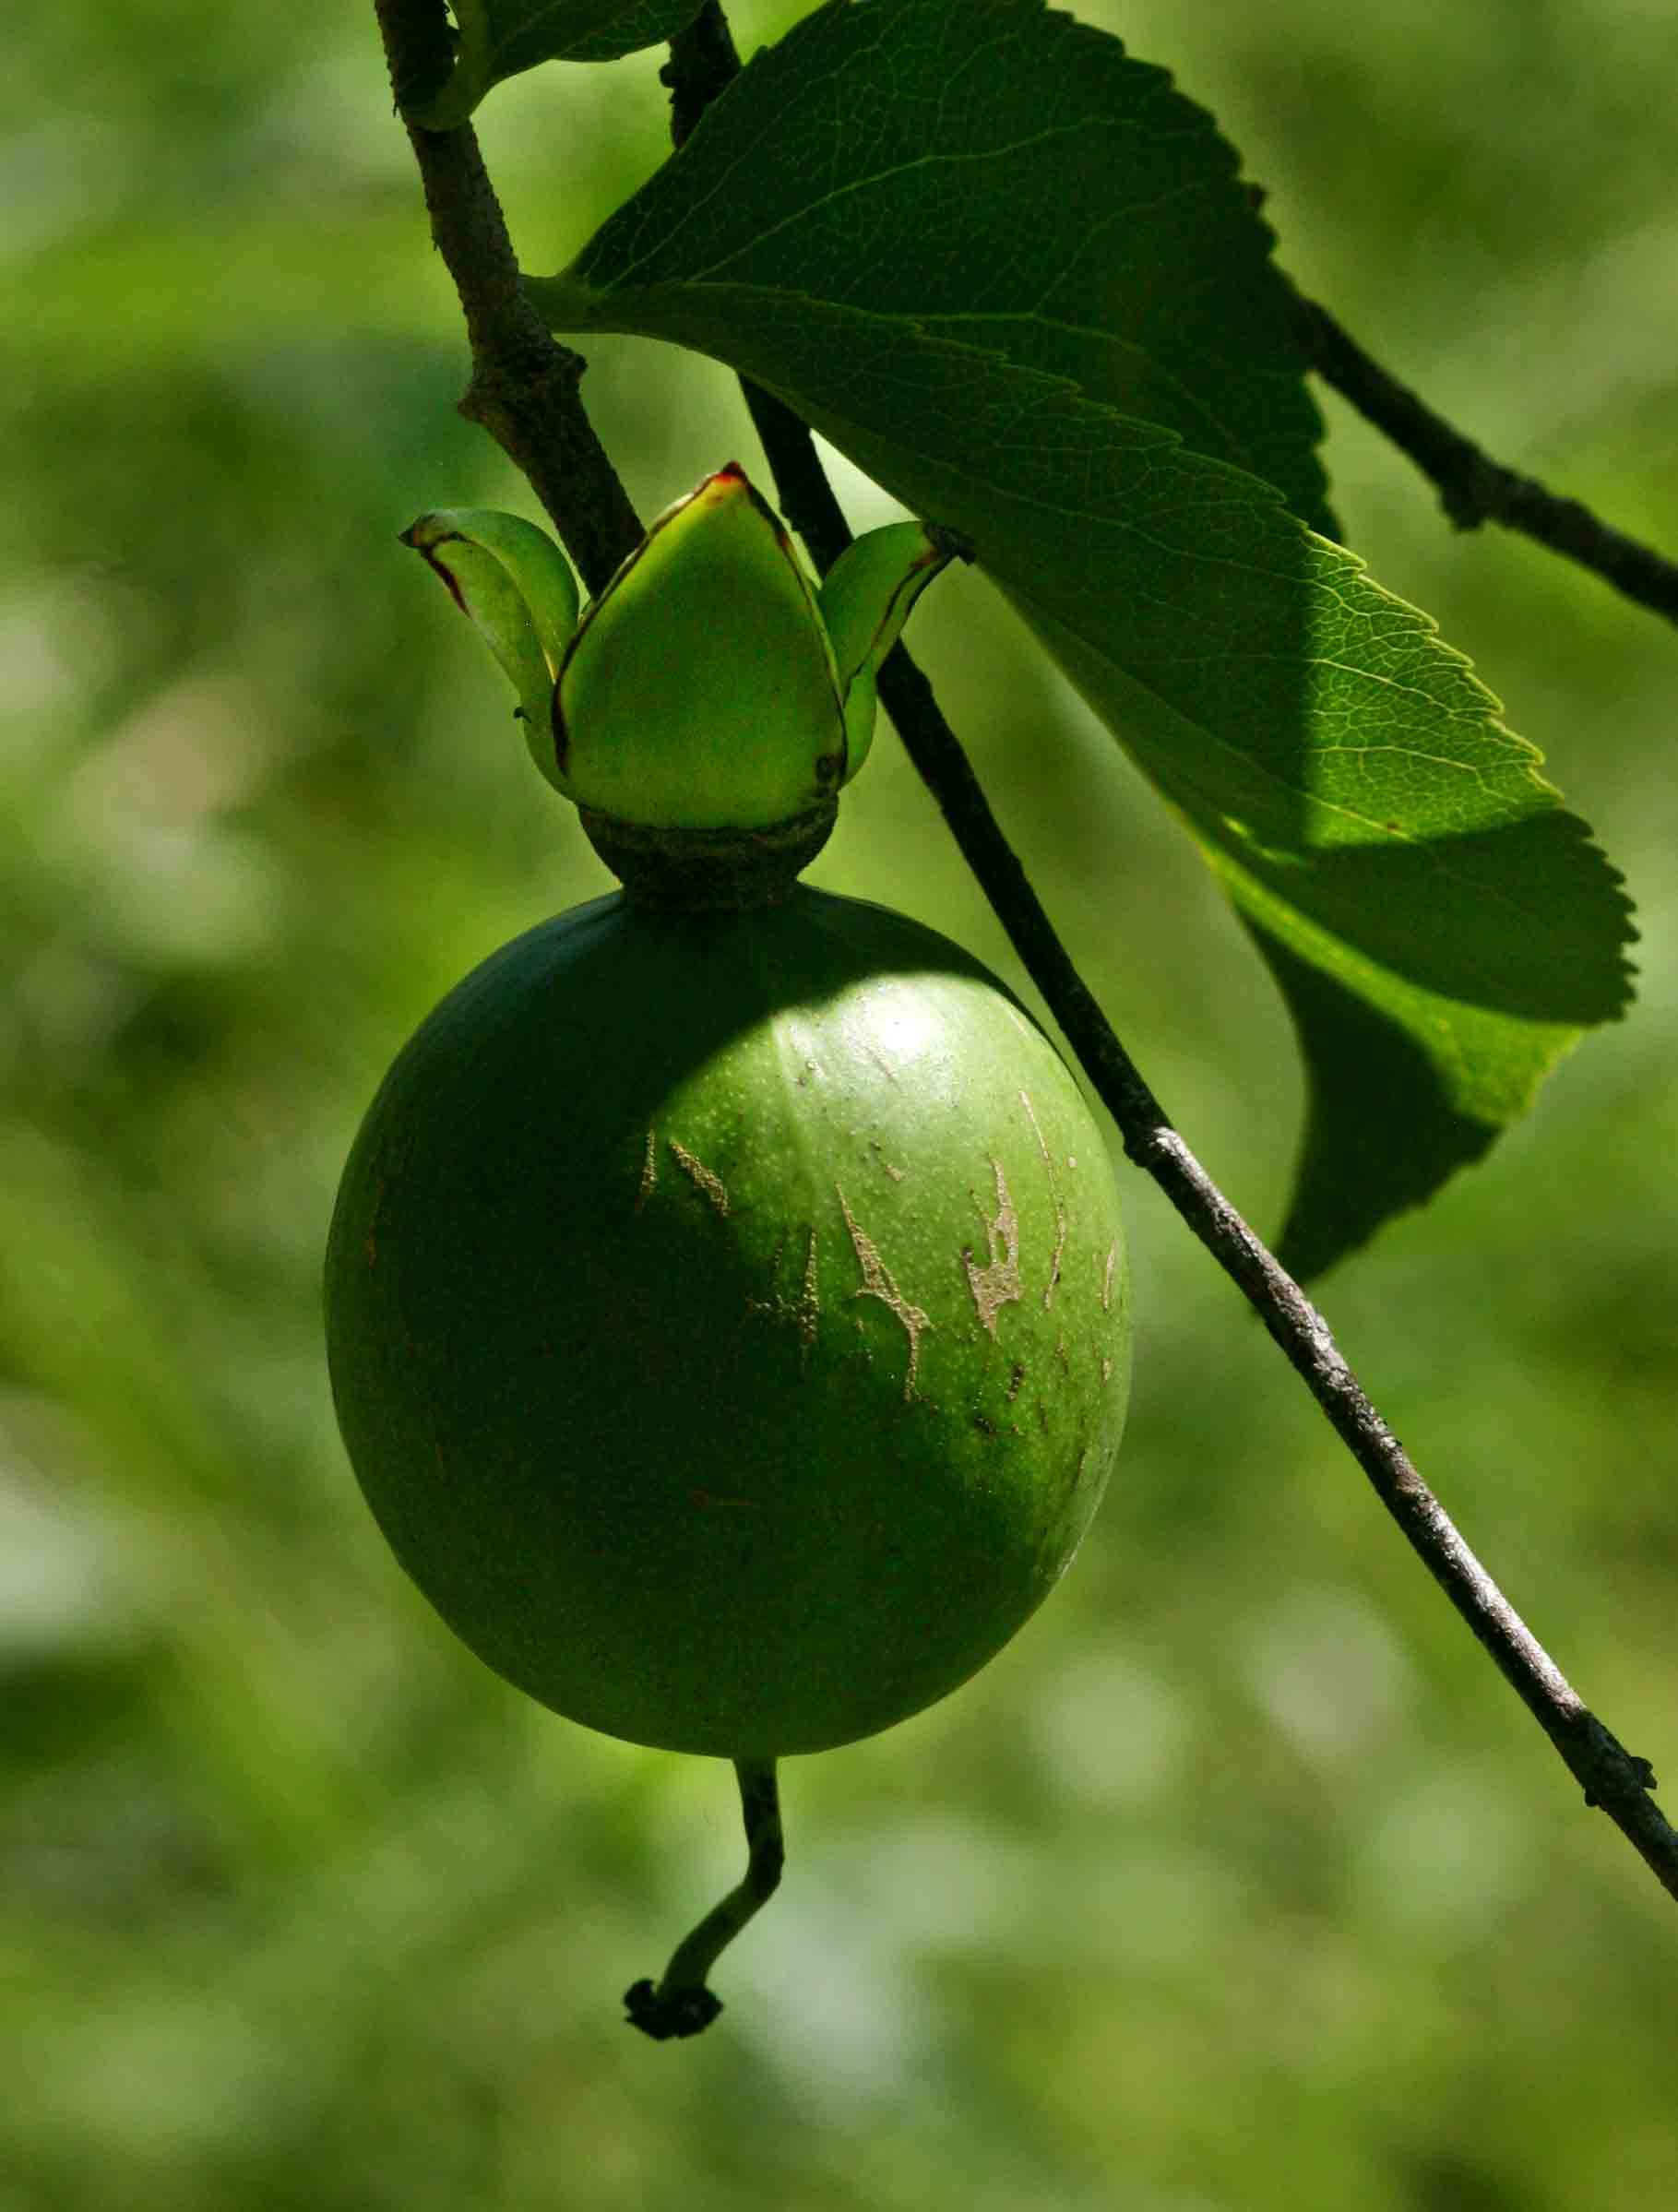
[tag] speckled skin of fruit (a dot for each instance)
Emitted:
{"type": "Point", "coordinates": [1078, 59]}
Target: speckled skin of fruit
{"type": "Point", "coordinates": [728, 1321]}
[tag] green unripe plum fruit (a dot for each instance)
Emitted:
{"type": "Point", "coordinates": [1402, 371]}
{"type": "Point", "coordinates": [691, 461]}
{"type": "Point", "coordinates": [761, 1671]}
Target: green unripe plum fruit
{"type": "Point", "coordinates": [728, 1319]}
{"type": "Point", "coordinates": [726, 1298]}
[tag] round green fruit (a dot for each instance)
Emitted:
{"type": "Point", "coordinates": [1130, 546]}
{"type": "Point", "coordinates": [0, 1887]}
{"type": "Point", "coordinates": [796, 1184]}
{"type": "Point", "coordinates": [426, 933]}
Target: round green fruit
{"type": "Point", "coordinates": [728, 1319]}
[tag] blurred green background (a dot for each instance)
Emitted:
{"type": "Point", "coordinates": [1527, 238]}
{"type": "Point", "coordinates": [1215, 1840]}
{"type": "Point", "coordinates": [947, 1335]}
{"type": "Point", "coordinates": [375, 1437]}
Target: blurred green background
{"type": "Point", "coordinates": [1240, 1881]}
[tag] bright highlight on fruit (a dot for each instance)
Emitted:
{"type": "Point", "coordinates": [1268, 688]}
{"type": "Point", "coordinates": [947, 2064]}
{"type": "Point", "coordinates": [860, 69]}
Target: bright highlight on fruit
{"type": "Point", "coordinates": [726, 1299]}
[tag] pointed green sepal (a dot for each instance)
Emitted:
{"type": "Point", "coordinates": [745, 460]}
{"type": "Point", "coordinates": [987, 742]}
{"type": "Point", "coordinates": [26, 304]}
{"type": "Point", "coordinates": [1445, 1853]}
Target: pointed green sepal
{"type": "Point", "coordinates": [701, 691]}
{"type": "Point", "coordinates": [864, 603]}
{"type": "Point", "coordinates": [513, 582]}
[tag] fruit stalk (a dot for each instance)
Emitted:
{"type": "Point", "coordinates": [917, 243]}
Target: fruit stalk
{"type": "Point", "coordinates": [680, 2005]}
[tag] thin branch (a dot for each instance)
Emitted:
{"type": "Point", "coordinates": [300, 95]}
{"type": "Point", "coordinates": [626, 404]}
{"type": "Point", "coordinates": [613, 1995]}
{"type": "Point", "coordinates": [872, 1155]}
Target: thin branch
{"type": "Point", "coordinates": [1610, 1776]}
{"type": "Point", "coordinates": [1472, 487]}
{"type": "Point", "coordinates": [524, 384]}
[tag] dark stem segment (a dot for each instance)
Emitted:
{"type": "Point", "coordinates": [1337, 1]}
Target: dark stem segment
{"type": "Point", "coordinates": [681, 2004]}
{"type": "Point", "coordinates": [1472, 487]}
{"type": "Point", "coordinates": [524, 384]}
{"type": "Point", "coordinates": [1611, 1777]}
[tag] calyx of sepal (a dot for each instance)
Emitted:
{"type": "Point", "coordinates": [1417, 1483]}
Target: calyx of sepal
{"type": "Point", "coordinates": [513, 585]}
{"type": "Point", "coordinates": [864, 602]}
{"type": "Point", "coordinates": [710, 685]}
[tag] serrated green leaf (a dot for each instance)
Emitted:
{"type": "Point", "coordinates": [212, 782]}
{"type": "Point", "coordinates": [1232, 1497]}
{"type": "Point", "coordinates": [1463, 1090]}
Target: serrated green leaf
{"type": "Point", "coordinates": [1442, 931]}
{"type": "Point", "coordinates": [1370, 1086]}
{"type": "Point", "coordinates": [502, 38]}
{"type": "Point", "coordinates": [1440, 927]}
{"type": "Point", "coordinates": [1003, 175]}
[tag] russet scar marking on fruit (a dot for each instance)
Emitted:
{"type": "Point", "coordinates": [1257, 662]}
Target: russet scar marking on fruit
{"type": "Point", "coordinates": [699, 1175]}
{"type": "Point", "coordinates": [371, 1244]}
{"type": "Point", "coordinates": [878, 1283]}
{"type": "Point", "coordinates": [702, 1499]}
{"type": "Point", "coordinates": [396, 1161]}
{"type": "Point", "coordinates": [1058, 1202]}
{"type": "Point", "coordinates": [1113, 1258]}
{"type": "Point", "coordinates": [997, 1284]}
{"type": "Point", "coordinates": [804, 1311]}
{"type": "Point", "coordinates": [649, 1171]}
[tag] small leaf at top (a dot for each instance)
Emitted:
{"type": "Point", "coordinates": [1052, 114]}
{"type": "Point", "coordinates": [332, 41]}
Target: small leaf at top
{"type": "Point", "coordinates": [880, 226]}
{"type": "Point", "coordinates": [502, 38]}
